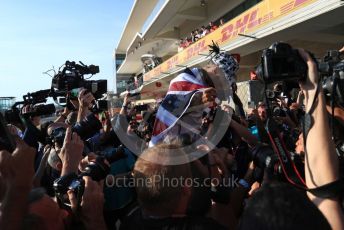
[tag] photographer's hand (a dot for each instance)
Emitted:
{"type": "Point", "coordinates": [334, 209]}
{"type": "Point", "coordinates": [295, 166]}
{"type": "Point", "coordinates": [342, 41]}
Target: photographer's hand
{"type": "Point", "coordinates": [71, 152]}
{"type": "Point", "coordinates": [86, 160]}
{"type": "Point", "coordinates": [85, 101]}
{"type": "Point", "coordinates": [309, 86]}
{"type": "Point", "coordinates": [300, 98]}
{"type": "Point", "coordinates": [42, 166]}
{"type": "Point", "coordinates": [16, 174]}
{"type": "Point", "coordinates": [63, 116]}
{"type": "Point", "coordinates": [91, 205]}
{"type": "Point", "coordinates": [107, 125]}
{"type": "Point", "coordinates": [342, 50]}
{"type": "Point", "coordinates": [126, 102]}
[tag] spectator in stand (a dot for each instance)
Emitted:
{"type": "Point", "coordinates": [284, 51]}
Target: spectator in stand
{"type": "Point", "coordinates": [205, 31]}
{"type": "Point", "coordinates": [212, 26]}
{"type": "Point", "coordinates": [198, 34]}
{"type": "Point", "coordinates": [222, 22]}
{"type": "Point", "coordinates": [181, 45]}
{"type": "Point", "coordinates": [192, 36]}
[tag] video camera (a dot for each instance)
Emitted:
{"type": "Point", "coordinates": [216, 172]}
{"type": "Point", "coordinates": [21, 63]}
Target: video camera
{"type": "Point", "coordinates": [97, 170]}
{"type": "Point", "coordinates": [36, 99]}
{"type": "Point", "coordinates": [72, 77]}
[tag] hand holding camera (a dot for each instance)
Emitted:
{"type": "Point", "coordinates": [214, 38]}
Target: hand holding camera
{"type": "Point", "coordinates": [91, 205]}
{"type": "Point", "coordinates": [71, 152]}
{"type": "Point", "coordinates": [309, 86]}
{"type": "Point", "coordinates": [126, 100]}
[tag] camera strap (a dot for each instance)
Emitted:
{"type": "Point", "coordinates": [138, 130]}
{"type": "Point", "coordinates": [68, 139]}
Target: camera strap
{"type": "Point", "coordinates": [307, 120]}
{"type": "Point", "coordinates": [330, 190]}
{"type": "Point", "coordinates": [289, 169]}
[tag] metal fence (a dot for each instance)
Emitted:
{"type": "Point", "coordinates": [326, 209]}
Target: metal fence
{"type": "Point", "coordinates": [250, 93]}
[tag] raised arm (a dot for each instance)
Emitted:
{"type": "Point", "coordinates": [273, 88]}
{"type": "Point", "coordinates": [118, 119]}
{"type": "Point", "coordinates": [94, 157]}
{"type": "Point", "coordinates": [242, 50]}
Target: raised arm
{"type": "Point", "coordinates": [321, 162]}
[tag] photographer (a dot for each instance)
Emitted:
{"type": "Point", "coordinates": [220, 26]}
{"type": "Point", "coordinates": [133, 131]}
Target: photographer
{"type": "Point", "coordinates": [257, 118]}
{"type": "Point", "coordinates": [125, 126]}
{"type": "Point", "coordinates": [52, 162]}
{"type": "Point", "coordinates": [40, 211]}
{"type": "Point", "coordinates": [91, 215]}
{"type": "Point", "coordinates": [32, 134]}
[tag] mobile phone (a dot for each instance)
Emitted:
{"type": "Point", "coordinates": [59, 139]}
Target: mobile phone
{"type": "Point", "coordinates": [6, 139]}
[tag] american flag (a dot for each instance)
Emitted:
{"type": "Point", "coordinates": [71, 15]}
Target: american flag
{"type": "Point", "coordinates": [175, 105]}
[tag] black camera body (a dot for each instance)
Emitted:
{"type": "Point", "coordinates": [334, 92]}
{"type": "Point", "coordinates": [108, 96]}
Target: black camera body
{"type": "Point", "coordinates": [85, 129]}
{"type": "Point", "coordinates": [330, 63]}
{"type": "Point", "coordinates": [100, 106]}
{"type": "Point", "coordinates": [43, 110]}
{"type": "Point", "coordinates": [97, 170]}
{"type": "Point", "coordinates": [277, 161]}
{"type": "Point", "coordinates": [72, 77]}
{"type": "Point", "coordinates": [280, 62]}
{"type": "Point", "coordinates": [37, 97]}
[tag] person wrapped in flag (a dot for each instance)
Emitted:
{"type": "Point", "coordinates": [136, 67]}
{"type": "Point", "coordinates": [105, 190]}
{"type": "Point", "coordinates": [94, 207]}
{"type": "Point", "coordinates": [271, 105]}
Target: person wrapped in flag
{"type": "Point", "coordinates": [192, 91]}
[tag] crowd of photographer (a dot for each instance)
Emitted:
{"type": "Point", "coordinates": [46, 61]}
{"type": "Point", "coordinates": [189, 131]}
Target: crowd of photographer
{"type": "Point", "coordinates": [189, 162]}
